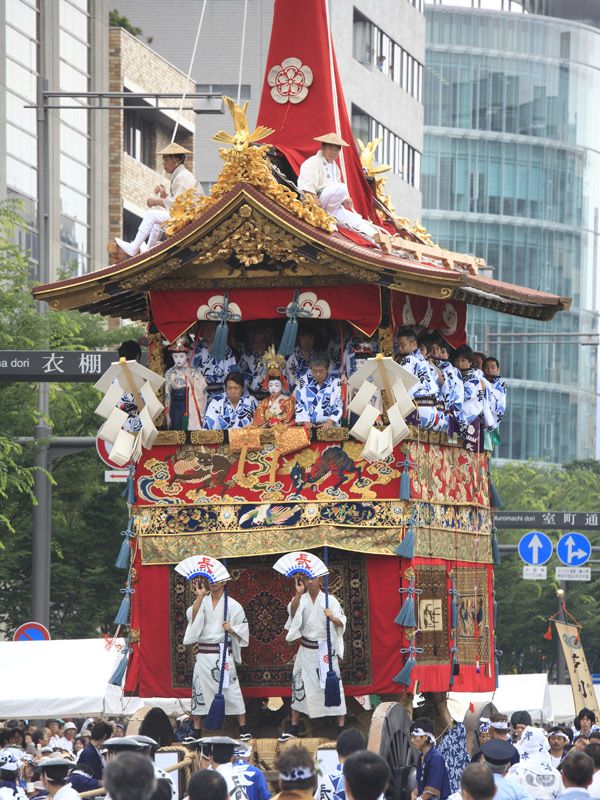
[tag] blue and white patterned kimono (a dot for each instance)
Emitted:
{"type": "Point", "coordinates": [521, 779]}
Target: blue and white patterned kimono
{"type": "Point", "coordinates": [317, 404]}
{"type": "Point", "coordinates": [472, 407]}
{"type": "Point", "coordinates": [254, 370]}
{"type": "Point", "coordinates": [214, 372]}
{"type": "Point", "coordinates": [221, 414]}
{"type": "Point", "coordinates": [296, 367]}
{"type": "Point", "coordinates": [427, 416]}
{"type": "Point", "coordinates": [350, 354]}
{"type": "Point", "coordinates": [496, 402]}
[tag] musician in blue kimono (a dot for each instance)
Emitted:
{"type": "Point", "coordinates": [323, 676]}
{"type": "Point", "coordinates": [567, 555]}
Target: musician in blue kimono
{"type": "Point", "coordinates": [235, 409]}
{"type": "Point", "coordinates": [496, 391]}
{"type": "Point", "coordinates": [358, 349]}
{"type": "Point", "coordinates": [473, 404]}
{"type": "Point", "coordinates": [451, 391]}
{"type": "Point", "coordinates": [425, 393]}
{"type": "Point", "coordinates": [251, 365]}
{"type": "Point", "coordinates": [319, 396]}
{"type": "Point", "coordinates": [298, 363]}
{"type": "Point", "coordinates": [214, 372]}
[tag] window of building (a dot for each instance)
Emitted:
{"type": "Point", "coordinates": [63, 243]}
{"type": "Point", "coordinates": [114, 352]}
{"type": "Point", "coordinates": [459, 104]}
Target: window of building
{"type": "Point", "coordinates": [374, 48]}
{"type": "Point", "coordinates": [404, 159]}
{"type": "Point", "coordinates": [138, 137]}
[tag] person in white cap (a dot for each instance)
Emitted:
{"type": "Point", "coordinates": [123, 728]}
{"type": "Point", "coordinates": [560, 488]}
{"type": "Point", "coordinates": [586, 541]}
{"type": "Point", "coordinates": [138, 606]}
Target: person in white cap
{"type": "Point", "coordinates": [68, 737]}
{"type": "Point", "coordinates": [9, 774]}
{"type": "Point", "coordinates": [320, 170]}
{"type": "Point", "coordinates": [206, 628]}
{"type": "Point", "coordinates": [534, 771]}
{"type": "Point", "coordinates": [181, 180]}
{"type": "Point", "coordinates": [55, 778]}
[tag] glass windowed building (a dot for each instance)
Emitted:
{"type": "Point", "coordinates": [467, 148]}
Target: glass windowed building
{"type": "Point", "coordinates": [511, 173]}
{"type": "Point", "coordinates": [75, 35]}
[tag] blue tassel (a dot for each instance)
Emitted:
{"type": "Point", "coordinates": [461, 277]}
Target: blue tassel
{"type": "Point", "coordinates": [454, 607]}
{"type": "Point", "coordinates": [116, 679]}
{"type": "Point", "coordinates": [219, 345]}
{"type": "Point", "coordinates": [404, 676]}
{"type": "Point", "coordinates": [495, 612]}
{"type": "Point", "coordinates": [406, 616]}
{"type": "Point", "coordinates": [122, 617]}
{"type": "Point", "coordinates": [122, 561]}
{"type": "Point", "coordinates": [495, 500]}
{"type": "Point", "coordinates": [288, 340]}
{"type": "Point", "coordinates": [495, 548]}
{"type": "Point", "coordinates": [407, 548]}
{"type": "Point", "coordinates": [130, 487]}
{"type": "Point", "coordinates": [405, 485]}
{"type": "Point", "coordinates": [454, 667]}
{"type": "Point", "coordinates": [333, 696]}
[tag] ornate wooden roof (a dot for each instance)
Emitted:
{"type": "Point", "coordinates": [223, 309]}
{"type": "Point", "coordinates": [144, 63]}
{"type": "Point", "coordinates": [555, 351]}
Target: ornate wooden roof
{"type": "Point", "coordinates": [246, 239]}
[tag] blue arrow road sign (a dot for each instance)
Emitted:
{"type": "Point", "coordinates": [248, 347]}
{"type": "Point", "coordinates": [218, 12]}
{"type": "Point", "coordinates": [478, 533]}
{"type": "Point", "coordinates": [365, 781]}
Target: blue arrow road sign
{"type": "Point", "coordinates": [535, 548]}
{"type": "Point", "coordinates": [573, 549]}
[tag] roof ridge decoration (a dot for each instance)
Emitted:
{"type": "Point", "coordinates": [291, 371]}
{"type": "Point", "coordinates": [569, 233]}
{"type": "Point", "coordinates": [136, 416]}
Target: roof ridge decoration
{"type": "Point", "coordinates": [245, 164]}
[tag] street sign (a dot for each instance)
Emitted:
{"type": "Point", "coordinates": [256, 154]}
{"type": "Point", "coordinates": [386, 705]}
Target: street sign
{"type": "Point", "coordinates": [535, 548]}
{"type": "Point", "coordinates": [31, 632]}
{"type": "Point", "coordinates": [103, 449]}
{"type": "Point", "coordinates": [116, 475]}
{"type": "Point", "coordinates": [573, 574]}
{"type": "Point", "coordinates": [548, 520]}
{"type": "Point", "coordinates": [69, 366]}
{"type": "Point", "coordinates": [535, 573]}
{"type": "Point", "coordinates": [574, 549]}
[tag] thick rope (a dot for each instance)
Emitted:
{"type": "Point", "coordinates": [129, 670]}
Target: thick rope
{"type": "Point", "coordinates": [189, 72]}
{"type": "Point", "coordinates": [239, 93]}
{"type": "Point", "coordinates": [334, 94]}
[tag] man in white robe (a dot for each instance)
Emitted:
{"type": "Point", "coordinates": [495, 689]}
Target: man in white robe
{"type": "Point", "coordinates": [321, 170]}
{"type": "Point", "coordinates": [206, 628]}
{"type": "Point", "coordinates": [307, 621]}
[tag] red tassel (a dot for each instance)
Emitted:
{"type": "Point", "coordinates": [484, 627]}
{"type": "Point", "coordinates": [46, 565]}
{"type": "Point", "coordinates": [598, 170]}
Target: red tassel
{"type": "Point", "coordinates": [576, 642]}
{"type": "Point", "coordinates": [548, 634]}
{"type": "Point", "coordinates": [471, 708]}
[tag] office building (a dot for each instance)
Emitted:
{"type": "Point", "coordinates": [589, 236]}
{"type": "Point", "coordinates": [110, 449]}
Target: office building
{"type": "Point", "coordinates": [511, 173]}
{"type": "Point", "coordinates": [74, 37]}
{"type": "Point", "coordinates": [380, 46]}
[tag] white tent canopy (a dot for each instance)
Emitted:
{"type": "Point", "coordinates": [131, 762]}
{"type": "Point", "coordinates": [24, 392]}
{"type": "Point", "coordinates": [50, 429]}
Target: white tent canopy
{"type": "Point", "coordinates": [67, 678]}
{"type": "Point", "coordinates": [514, 693]}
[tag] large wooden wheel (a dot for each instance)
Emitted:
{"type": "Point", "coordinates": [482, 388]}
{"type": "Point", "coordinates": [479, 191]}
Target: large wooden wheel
{"type": "Point", "coordinates": [471, 723]}
{"type": "Point", "coordinates": [389, 735]}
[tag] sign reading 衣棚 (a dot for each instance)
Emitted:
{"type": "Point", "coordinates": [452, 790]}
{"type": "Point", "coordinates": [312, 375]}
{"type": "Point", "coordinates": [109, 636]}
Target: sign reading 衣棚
{"type": "Point", "coordinates": [70, 366]}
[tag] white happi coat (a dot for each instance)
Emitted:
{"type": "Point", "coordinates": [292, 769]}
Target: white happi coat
{"type": "Point", "coordinates": [309, 622]}
{"type": "Point", "coordinates": [207, 628]}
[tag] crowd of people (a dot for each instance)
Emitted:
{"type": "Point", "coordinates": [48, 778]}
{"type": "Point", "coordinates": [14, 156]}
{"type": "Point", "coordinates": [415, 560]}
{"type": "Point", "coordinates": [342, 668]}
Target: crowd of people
{"type": "Point", "coordinates": [510, 759]}
{"type": "Point", "coordinates": [459, 392]}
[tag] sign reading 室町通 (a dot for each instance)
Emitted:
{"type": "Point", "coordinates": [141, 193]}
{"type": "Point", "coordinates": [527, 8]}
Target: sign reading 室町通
{"type": "Point", "coordinates": [69, 366]}
{"type": "Point", "coordinates": [548, 520]}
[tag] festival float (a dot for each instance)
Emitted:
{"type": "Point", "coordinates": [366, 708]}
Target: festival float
{"type": "Point", "coordinates": [409, 533]}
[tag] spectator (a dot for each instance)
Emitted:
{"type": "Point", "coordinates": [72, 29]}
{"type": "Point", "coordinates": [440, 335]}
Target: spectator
{"type": "Point", "coordinates": [79, 742]}
{"type": "Point", "coordinates": [9, 775]}
{"type": "Point", "coordinates": [68, 737]}
{"type": "Point", "coordinates": [331, 787]}
{"type": "Point", "coordinates": [207, 784]}
{"type": "Point", "coordinates": [584, 720]}
{"type": "Point", "coordinates": [478, 783]}
{"type": "Point", "coordinates": [55, 778]}
{"type": "Point", "coordinates": [120, 728]}
{"type": "Point", "coordinates": [366, 776]}
{"type": "Point", "coordinates": [534, 771]}
{"type": "Point", "coordinates": [581, 740]}
{"type": "Point", "coordinates": [519, 721]}
{"type": "Point", "coordinates": [157, 726]}
{"type": "Point", "coordinates": [90, 755]}
{"type": "Point", "coordinates": [593, 750]}
{"type": "Point", "coordinates": [297, 774]}
{"type": "Point", "coordinates": [577, 775]}
{"type": "Point", "coordinates": [432, 774]}
{"type": "Point", "coordinates": [558, 738]}
{"type": "Point", "coordinates": [129, 776]}
{"type": "Point", "coordinates": [498, 754]}
{"type": "Point", "coordinates": [82, 780]}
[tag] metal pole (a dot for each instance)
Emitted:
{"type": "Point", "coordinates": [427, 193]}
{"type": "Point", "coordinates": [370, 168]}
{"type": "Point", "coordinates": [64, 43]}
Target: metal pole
{"type": "Point", "coordinates": [561, 666]}
{"type": "Point", "coordinates": [42, 511]}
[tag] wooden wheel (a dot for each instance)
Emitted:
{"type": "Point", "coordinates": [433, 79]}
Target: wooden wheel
{"type": "Point", "coordinates": [471, 723]}
{"type": "Point", "coordinates": [389, 735]}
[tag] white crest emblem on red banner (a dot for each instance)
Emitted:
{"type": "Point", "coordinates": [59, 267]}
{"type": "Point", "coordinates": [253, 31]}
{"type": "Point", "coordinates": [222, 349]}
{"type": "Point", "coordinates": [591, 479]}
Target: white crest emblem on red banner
{"type": "Point", "coordinates": [316, 307]}
{"type": "Point", "coordinates": [289, 81]}
{"type": "Point", "coordinates": [215, 303]}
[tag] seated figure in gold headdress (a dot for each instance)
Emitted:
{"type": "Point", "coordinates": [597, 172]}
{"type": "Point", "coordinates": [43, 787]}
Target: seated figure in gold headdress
{"type": "Point", "coordinates": [278, 408]}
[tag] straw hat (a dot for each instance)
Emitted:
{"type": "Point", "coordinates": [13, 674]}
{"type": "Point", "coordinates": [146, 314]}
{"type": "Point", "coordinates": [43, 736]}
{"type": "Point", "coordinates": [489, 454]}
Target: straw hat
{"type": "Point", "coordinates": [331, 138]}
{"type": "Point", "coordinates": [174, 149]}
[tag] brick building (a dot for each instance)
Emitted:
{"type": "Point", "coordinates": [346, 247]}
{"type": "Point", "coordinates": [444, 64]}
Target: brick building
{"type": "Point", "coordinates": [137, 134]}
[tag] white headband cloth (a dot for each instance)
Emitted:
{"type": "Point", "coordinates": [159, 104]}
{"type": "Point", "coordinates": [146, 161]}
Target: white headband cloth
{"type": "Point", "coordinates": [297, 774]}
{"type": "Point", "coordinates": [421, 732]}
{"type": "Point", "coordinates": [499, 726]}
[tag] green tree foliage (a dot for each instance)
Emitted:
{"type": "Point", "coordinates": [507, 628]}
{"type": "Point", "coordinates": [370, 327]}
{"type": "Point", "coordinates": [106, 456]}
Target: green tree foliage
{"type": "Point", "coordinates": [87, 514]}
{"type": "Point", "coordinates": [117, 20]}
{"type": "Point", "coordinates": [524, 606]}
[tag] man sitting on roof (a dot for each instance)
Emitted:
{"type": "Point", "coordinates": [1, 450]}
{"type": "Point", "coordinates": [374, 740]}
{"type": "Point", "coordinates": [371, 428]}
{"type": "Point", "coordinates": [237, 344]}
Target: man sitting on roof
{"type": "Point", "coordinates": [320, 170]}
{"type": "Point", "coordinates": [181, 180]}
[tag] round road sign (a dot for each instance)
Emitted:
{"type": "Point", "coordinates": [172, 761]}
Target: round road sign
{"type": "Point", "coordinates": [31, 632]}
{"type": "Point", "coordinates": [103, 449]}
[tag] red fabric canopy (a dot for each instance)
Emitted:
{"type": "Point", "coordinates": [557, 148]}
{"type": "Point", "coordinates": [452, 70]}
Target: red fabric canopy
{"type": "Point", "coordinates": [174, 312]}
{"type": "Point", "coordinates": [449, 317]}
{"type": "Point", "coordinates": [298, 98]}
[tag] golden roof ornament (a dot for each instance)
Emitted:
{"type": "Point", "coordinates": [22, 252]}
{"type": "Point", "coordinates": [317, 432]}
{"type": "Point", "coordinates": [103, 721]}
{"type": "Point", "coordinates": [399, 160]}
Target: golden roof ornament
{"type": "Point", "coordinates": [245, 164]}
